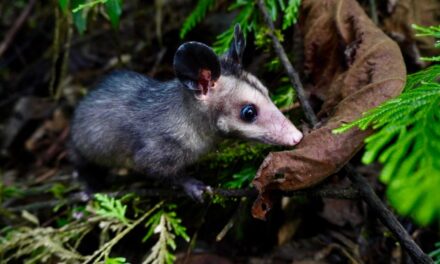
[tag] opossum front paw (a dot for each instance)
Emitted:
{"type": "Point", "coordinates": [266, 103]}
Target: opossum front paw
{"type": "Point", "coordinates": [195, 189]}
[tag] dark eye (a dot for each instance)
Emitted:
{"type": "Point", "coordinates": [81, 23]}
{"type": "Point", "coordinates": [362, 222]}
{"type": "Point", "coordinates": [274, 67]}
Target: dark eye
{"type": "Point", "coordinates": [248, 113]}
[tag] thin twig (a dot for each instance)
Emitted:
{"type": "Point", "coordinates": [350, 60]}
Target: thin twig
{"type": "Point", "coordinates": [16, 27]}
{"type": "Point", "coordinates": [291, 73]}
{"type": "Point", "coordinates": [358, 181]}
{"type": "Point", "coordinates": [78, 197]}
{"type": "Point", "coordinates": [386, 216]}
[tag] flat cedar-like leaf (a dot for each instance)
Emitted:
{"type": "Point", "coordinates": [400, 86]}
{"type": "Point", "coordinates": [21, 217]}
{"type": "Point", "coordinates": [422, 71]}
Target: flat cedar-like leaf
{"type": "Point", "coordinates": [352, 66]}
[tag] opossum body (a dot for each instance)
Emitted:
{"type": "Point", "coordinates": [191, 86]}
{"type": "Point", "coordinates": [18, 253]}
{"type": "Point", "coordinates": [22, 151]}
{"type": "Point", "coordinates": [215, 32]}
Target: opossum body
{"type": "Point", "coordinates": [159, 128]}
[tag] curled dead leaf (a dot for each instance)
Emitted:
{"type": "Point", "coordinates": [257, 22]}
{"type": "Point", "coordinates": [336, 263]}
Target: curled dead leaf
{"type": "Point", "coordinates": [353, 66]}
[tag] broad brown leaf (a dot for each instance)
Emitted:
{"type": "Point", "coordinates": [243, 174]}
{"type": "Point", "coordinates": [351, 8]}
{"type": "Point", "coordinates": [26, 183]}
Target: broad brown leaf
{"type": "Point", "coordinates": [352, 66]}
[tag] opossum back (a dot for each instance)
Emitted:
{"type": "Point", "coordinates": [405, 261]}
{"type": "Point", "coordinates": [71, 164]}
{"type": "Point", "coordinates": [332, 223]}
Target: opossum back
{"type": "Point", "coordinates": [102, 127]}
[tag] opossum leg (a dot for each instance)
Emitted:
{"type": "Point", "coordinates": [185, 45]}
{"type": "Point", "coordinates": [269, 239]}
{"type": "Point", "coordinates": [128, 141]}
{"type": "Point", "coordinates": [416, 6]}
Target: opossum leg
{"type": "Point", "coordinates": [195, 189]}
{"type": "Point", "coordinates": [93, 177]}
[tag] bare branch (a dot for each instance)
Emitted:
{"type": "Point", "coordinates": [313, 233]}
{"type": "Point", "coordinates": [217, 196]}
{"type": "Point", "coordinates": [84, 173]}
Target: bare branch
{"type": "Point", "coordinates": [81, 197]}
{"type": "Point", "coordinates": [16, 27]}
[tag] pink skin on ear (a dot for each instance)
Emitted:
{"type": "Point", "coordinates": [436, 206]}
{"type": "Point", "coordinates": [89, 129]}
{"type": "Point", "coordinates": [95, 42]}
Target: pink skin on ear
{"type": "Point", "coordinates": [205, 81]}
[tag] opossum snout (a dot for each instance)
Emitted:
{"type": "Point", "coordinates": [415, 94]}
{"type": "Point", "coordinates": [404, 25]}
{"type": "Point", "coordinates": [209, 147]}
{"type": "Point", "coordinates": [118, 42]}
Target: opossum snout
{"type": "Point", "coordinates": [283, 132]}
{"type": "Point", "coordinates": [294, 137]}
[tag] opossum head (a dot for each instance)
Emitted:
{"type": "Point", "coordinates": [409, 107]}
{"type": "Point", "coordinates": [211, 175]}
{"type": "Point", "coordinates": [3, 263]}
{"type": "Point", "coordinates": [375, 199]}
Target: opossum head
{"type": "Point", "coordinates": [237, 102]}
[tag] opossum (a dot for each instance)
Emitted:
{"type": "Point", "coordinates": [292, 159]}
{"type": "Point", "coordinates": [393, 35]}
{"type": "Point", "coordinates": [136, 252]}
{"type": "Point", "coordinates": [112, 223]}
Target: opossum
{"type": "Point", "coordinates": [159, 128]}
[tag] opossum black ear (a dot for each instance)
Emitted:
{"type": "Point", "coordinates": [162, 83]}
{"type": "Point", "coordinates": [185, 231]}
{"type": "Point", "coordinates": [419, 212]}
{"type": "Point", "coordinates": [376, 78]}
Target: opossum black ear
{"type": "Point", "coordinates": [235, 52]}
{"type": "Point", "coordinates": [196, 66]}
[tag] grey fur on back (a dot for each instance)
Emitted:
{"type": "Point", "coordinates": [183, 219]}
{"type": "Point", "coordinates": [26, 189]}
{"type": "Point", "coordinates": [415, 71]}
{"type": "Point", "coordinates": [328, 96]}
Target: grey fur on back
{"type": "Point", "coordinates": [131, 120]}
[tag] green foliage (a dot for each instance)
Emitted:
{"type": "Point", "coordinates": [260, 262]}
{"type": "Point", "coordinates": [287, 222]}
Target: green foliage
{"type": "Point", "coordinates": [58, 190]}
{"type": "Point", "coordinates": [41, 244]}
{"type": "Point", "coordinates": [285, 95]}
{"type": "Point", "coordinates": [291, 13]}
{"type": "Point", "coordinates": [115, 261]}
{"type": "Point", "coordinates": [80, 16]}
{"type": "Point", "coordinates": [248, 17]}
{"type": "Point", "coordinates": [37, 244]}
{"type": "Point", "coordinates": [80, 9]}
{"type": "Point", "coordinates": [407, 142]}
{"type": "Point", "coordinates": [229, 154]}
{"type": "Point", "coordinates": [196, 16]}
{"type": "Point", "coordinates": [242, 178]}
{"type": "Point", "coordinates": [433, 31]}
{"type": "Point", "coordinates": [109, 207]}
{"type": "Point", "coordinates": [165, 223]}
{"type": "Point", "coordinates": [64, 5]}
{"type": "Point", "coordinates": [9, 192]}
{"type": "Point", "coordinates": [114, 11]}
{"type": "Point", "coordinates": [436, 254]}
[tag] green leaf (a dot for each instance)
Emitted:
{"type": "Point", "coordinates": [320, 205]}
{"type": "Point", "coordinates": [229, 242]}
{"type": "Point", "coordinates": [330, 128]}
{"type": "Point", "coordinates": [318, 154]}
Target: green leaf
{"type": "Point", "coordinates": [165, 223]}
{"type": "Point", "coordinates": [291, 13]}
{"type": "Point", "coordinates": [117, 260]}
{"type": "Point", "coordinates": [79, 17]}
{"type": "Point", "coordinates": [247, 20]}
{"type": "Point", "coordinates": [110, 207]}
{"type": "Point", "coordinates": [64, 5]}
{"type": "Point", "coordinates": [196, 16]}
{"type": "Point", "coordinates": [242, 178]}
{"type": "Point", "coordinates": [114, 11]}
{"type": "Point", "coordinates": [436, 253]}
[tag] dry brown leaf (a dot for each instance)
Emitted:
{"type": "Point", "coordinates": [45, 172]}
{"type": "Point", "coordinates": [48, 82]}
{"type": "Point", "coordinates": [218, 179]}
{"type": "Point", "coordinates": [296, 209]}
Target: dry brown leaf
{"type": "Point", "coordinates": [353, 66]}
{"type": "Point", "coordinates": [398, 25]}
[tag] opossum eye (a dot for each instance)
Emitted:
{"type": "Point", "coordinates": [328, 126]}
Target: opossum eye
{"type": "Point", "coordinates": [248, 113]}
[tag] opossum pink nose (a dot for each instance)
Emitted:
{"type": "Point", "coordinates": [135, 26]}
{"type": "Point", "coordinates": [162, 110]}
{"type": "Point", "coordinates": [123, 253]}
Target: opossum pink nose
{"type": "Point", "coordinates": [296, 137]}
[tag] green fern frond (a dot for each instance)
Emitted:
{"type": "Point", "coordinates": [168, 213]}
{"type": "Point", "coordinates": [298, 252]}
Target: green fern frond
{"type": "Point", "coordinates": [165, 223]}
{"type": "Point", "coordinates": [199, 12]}
{"type": "Point", "coordinates": [242, 178]}
{"type": "Point", "coordinates": [110, 207]}
{"type": "Point", "coordinates": [407, 143]}
{"type": "Point", "coordinates": [247, 19]}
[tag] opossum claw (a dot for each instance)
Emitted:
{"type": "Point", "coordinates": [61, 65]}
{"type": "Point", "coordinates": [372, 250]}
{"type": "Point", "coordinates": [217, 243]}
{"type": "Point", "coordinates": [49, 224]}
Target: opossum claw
{"type": "Point", "coordinates": [194, 189]}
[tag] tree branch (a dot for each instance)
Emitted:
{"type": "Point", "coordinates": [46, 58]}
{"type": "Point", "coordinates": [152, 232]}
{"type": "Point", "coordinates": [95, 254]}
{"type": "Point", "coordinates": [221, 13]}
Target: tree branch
{"type": "Point", "coordinates": [16, 27]}
{"type": "Point", "coordinates": [78, 197]}
{"type": "Point", "coordinates": [366, 191]}
{"type": "Point", "coordinates": [291, 73]}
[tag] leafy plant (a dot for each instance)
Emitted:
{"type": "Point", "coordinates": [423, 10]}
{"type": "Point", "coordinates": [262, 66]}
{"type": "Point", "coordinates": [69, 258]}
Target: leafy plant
{"type": "Point", "coordinates": [40, 244]}
{"type": "Point", "coordinates": [196, 16]}
{"type": "Point", "coordinates": [433, 31]}
{"type": "Point", "coordinates": [291, 13]}
{"type": "Point", "coordinates": [247, 16]}
{"type": "Point", "coordinates": [37, 244]}
{"type": "Point", "coordinates": [407, 143]}
{"type": "Point", "coordinates": [165, 223]}
{"type": "Point", "coordinates": [115, 261]}
{"type": "Point", "coordinates": [109, 207]}
{"type": "Point", "coordinates": [79, 10]}
{"type": "Point", "coordinates": [242, 178]}
{"type": "Point", "coordinates": [436, 254]}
